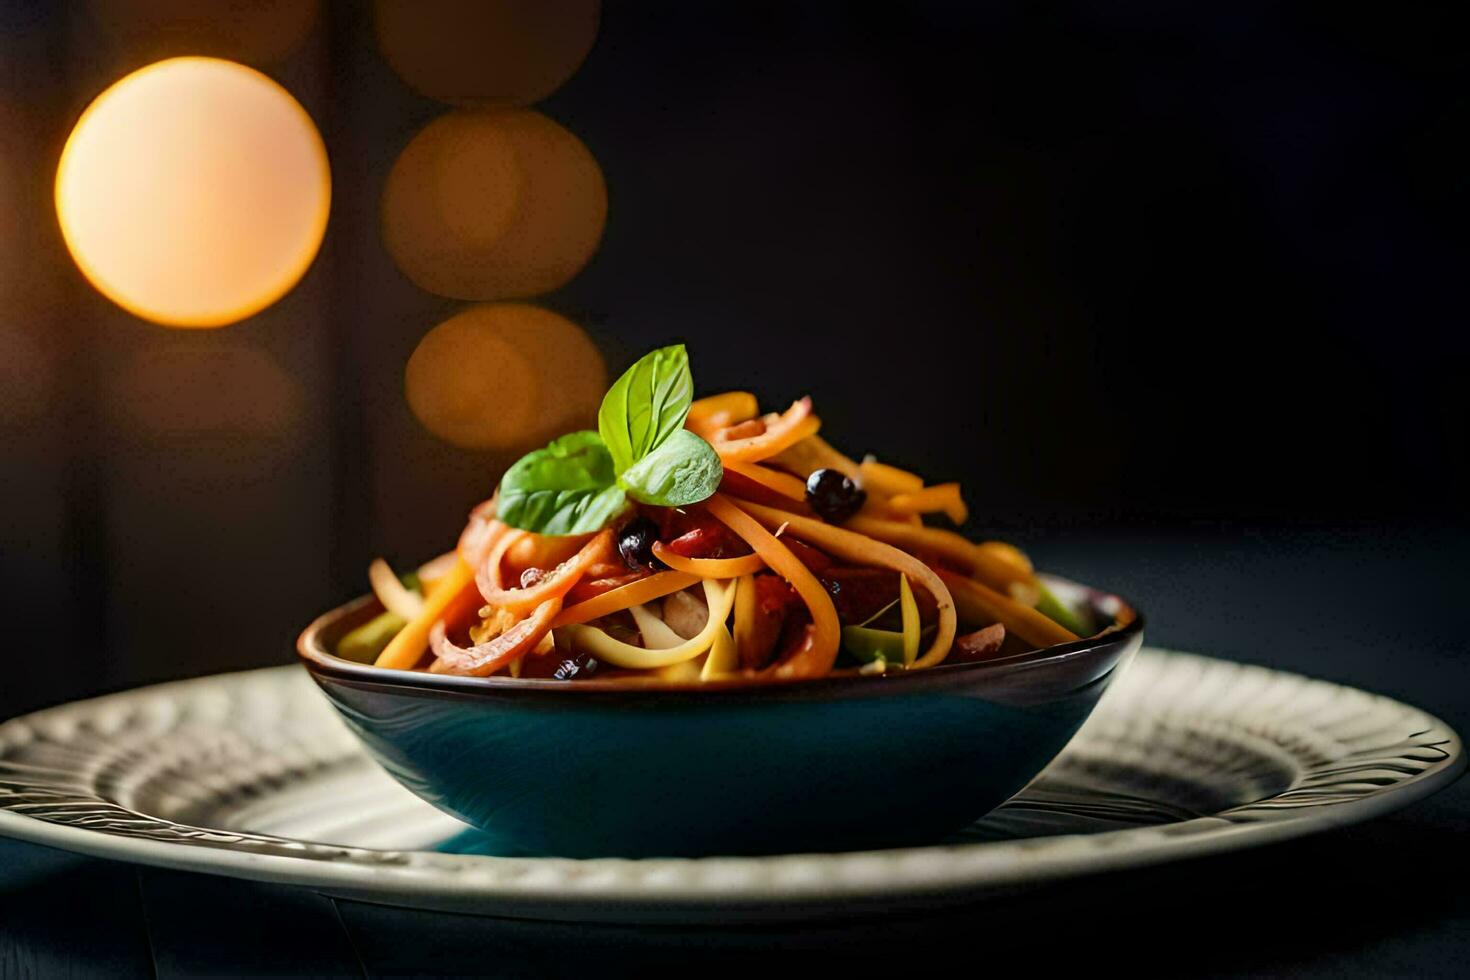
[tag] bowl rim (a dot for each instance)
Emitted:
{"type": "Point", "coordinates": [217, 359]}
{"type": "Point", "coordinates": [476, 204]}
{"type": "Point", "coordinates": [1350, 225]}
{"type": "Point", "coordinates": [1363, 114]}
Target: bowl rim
{"type": "Point", "coordinates": [321, 663]}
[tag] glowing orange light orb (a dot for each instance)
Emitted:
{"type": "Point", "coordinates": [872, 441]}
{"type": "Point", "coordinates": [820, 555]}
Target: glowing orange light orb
{"type": "Point", "coordinates": [493, 205]}
{"type": "Point", "coordinates": [504, 375]}
{"type": "Point", "coordinates": [194, 192]}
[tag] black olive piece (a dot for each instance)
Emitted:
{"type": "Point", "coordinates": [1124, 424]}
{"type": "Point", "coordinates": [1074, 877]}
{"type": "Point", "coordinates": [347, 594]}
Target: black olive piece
{"type": "Point", "coordinates": [635, 544]}
{"type": "Point", "coordinates": [580, 665]}
{"type": "Point", "coordinates": [833, 495]}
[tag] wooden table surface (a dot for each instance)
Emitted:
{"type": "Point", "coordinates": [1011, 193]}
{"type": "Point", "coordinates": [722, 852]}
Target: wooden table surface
{"type": "Point", "coordinates": [1381, 899]}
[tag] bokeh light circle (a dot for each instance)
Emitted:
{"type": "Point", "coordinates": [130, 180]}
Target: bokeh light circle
{"type": "Point", "coordinates": [504, 375]}
{"type": "Point", "coordinates": [194, 192]}
{"type": "Point", "coordinates": [485, 52]}
{"type": "Point", "coordinates": [493, 205]}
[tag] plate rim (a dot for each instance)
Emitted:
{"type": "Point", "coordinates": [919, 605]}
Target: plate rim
{"type": "Point", "coordinates": [663, 889]}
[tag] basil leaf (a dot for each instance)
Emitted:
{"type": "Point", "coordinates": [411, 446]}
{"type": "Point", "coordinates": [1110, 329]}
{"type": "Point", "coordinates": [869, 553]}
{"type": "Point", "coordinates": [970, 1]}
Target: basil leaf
{"type": "Point", "coordinates": [566, 488]}
{"type": "Point", "coordinates": [646, 406]}
{"type": "Point", "coordinates": [684, 470]}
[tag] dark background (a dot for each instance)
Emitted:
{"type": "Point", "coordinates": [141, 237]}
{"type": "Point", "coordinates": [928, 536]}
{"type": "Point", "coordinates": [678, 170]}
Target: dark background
{"type": "Point", "coordinates": [1176, 290]}
{"type": "Point", "coordinates": [1190, 272]}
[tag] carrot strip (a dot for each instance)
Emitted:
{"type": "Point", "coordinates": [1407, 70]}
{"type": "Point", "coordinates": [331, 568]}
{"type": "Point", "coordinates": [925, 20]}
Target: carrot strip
{"type": "Point", "coordinates": [777, 482]}
{"type": "Point", "coordinates": [814, 453]}
{"type": "Point", "coordinates": [782, 432]}
{"type": "Point", "coordinates": [861, 550]}
{"type": "Point", "coordinates": [455, 596]}
{"type": "Point", "coordinates": [887, 480]}
{"type": "Point", "coordinates": [543, 550]}
{"type": "Point", "coordinates": [708, 415]}
{"type": "Point", "coordinates": [740, 487]}
{"type": "Point", "coordinates": [979, 603]}
{"type": "Point", "coordinates": [817, 660]}
{"type": "Point", "coordinates": [556, 583]}
{"type": "Point", "coordinates": [1009, 553]}
{"type": "Point", "coordinates": [717, 568]}
{"type": "Point", "coordinates": [940, 497]}
{"type": "Point", "coordinates": [644, 590]}
{"type": "Point", "coordinates": [995, 571]}
{"type": "Point", "coordinates": [876, 506]}
{"type": "Point", "coordinates": [592, 585]}
{"type": "Point", "coordinates": [608, 568]}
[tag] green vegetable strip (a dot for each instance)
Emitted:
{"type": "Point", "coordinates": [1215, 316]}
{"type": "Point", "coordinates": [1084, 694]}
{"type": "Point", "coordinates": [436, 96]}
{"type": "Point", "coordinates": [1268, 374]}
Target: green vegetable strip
{"type": "Point", "coordinates": [1055, 610]}
{"type": "Point", "coordinates": [868, 645]}
{"type": "Point", "coordinates": [367, 641]}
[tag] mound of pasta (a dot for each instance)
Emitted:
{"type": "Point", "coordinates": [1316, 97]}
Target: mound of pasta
{"type": "Point", "coordinates": [689, 541]}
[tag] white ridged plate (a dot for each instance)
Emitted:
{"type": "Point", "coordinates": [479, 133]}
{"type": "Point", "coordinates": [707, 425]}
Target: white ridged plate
{"type": "Point", "coordinates": [252, 775]}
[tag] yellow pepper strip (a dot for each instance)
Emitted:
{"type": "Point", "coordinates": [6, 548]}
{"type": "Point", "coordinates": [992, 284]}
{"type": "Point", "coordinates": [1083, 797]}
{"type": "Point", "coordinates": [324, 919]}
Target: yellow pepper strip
{"type": "Point", "coordinates": [392, 593]}
{"type": "Point", "coordinates": [721, 659]}
{"type": "Point", "coordinates": [877, 507]}
{"type": "Point", "coordinates": [706, 415]}
{"type": "Point", "coordinates": [430, 572]}
{"type": "Point", "coordinates": [940, 497]}
{"type": "Point", "coordinates": [876, 477]}
{"type": "Point", "coordinates": [827, 629]}
{"type": "Point", "coordinates": [684, 672]}
{"type": "Point", "coordinates": [745, 602]}
{"type": "Point", "coordinates": [996, 572]}
{"type": "Point", "coordinates": [782, 431]}
{"type": "Point", "coordinates": [980, 604]}
{"type": "Point", "coordinates": [774, 480]}
{"type": "Point", "coordinates": [860, 550]}
{"type": "Point", "coordinates": [910, 611]}
{"type": "Point", "coordinates": [1008, 552]}
{"type": "Point", "coordinates": [657, 634]}
{"type": "Point", "coordinates": [633, 594]}
{"type": "Point", "coordinates": [455, 593]}
{"type": "Point", "coordinates": [719, 568]}
{"type": "Point", "coordinates": [620, 654]}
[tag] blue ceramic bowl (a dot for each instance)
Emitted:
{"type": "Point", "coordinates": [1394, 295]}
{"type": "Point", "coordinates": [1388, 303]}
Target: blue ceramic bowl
{"type": "Point", "coordinates": [604, 768]}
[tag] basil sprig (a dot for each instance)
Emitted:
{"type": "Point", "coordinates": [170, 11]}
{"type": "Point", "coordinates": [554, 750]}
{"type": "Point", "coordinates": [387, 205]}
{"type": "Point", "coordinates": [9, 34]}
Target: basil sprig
{"type": "Point", "coordinates": [640, 450]}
